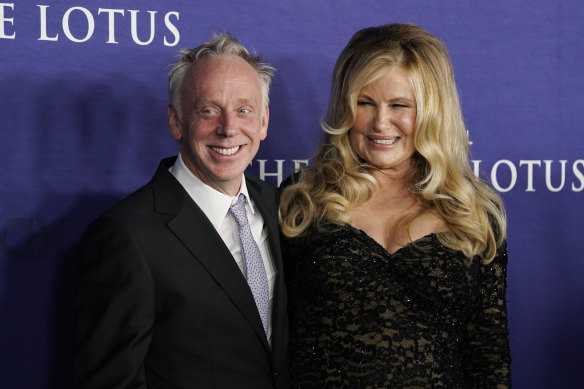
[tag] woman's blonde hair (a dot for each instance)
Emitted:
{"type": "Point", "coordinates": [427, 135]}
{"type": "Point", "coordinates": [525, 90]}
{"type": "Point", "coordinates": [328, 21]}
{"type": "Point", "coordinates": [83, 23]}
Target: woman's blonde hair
{"type": "Point", "coordinates": [440, 176]}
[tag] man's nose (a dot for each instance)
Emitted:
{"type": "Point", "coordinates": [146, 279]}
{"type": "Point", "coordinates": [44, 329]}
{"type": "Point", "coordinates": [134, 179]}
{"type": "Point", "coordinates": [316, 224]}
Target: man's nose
{"type": "Point", "coordinates": [227, 125]}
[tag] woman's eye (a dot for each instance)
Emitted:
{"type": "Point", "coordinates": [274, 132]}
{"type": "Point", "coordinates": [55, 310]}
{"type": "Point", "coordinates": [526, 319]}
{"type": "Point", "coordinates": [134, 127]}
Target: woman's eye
{"type": "Point", "coordinates": [364, 102]}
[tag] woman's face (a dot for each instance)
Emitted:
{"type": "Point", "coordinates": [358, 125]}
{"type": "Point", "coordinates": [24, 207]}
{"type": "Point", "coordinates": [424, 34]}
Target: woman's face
{"type": "Point", "coordinates": [383, 132]}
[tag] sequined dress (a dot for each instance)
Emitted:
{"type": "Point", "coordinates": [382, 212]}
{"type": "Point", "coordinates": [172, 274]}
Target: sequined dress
{"type": "Point", "coordinates": [422, 317]}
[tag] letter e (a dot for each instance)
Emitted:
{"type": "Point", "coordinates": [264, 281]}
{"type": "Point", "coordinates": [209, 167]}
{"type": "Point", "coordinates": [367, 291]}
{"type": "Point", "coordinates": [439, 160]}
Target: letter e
{"type": "Point", "coordinates": [6, 20]}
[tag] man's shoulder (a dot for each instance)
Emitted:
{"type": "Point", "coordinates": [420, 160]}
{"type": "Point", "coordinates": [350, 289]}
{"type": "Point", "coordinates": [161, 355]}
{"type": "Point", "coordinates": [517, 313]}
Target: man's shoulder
{"type": "Point", "coordinates": [132, 211]}
{"type": "Point", "coordinates": [140, 198]}
{"type": "Point", "coordinates": [139, 203]}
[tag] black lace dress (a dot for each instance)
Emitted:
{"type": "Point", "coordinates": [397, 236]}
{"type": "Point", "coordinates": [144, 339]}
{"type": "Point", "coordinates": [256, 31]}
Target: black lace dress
{"type": "Point", "coordinates": [422, 317]}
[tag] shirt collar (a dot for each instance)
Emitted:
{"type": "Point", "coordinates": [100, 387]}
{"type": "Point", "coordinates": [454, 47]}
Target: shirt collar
{"type": "Point", "coordinates": [214, 204]}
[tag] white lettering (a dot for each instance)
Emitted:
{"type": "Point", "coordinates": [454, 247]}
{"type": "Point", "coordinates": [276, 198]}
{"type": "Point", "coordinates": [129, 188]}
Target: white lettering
{"type": "Point", "coordinates": [4, 20]}
{"type": "Point", "coordinates": [44, 36]}
{"type": "Point", "coordinates": [111, 22]}
{"type": "Point", "coordinates": [298, 163]}
{"type": "Point", "coordinates": [579, 175]}
{"type": "Point", "coordinates": [529, 164]}
{"type": "Point", "coordinates": [134, 26]}
{"type": "Point", "coordinates": [512, 170]}
{"type": "Point", "coordinates": [278, 174]}
{"type": "Point", "coordinates": [172, 28]}
{"type": "Point", "coordinates": [69, 22]}
{"type": "Point", "coordinates": [90, 24]}
{"type": "Point", "coordinates": [476, 167]}
{"type": "Point", "coordinates": [503, 174]}
{"type": "Point", "coordinates": [548, 175]}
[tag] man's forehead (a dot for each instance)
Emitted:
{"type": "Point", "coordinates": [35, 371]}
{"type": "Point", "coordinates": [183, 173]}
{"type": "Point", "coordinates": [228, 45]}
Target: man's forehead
{"type": "Point", "coordinates": [223, 75]}
{"type": "Point", "coordinates": [225, 65]}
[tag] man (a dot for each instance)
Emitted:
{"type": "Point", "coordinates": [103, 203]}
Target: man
{"type": "Point", "coordinates": [169, 294]}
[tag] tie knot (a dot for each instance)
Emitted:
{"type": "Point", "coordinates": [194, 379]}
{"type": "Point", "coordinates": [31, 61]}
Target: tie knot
{"type": "Point", "coordinates": [240, 199]}
{"type": "Point", "coordinates": [238, 209]}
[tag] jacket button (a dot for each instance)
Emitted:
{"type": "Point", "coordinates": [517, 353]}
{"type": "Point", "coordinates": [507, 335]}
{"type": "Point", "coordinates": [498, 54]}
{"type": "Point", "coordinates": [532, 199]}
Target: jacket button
{"type": "Point", "coordinates": [275, 375]}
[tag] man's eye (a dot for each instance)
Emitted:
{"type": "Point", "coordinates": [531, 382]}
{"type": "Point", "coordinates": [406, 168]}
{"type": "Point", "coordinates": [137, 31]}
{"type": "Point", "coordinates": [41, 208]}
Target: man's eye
{"type": "Point", "coordinates": [208, 111]}
{"type": "Point", "coordinates": [244, 111]}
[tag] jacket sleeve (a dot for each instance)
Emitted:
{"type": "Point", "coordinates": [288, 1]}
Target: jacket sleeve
{"type": "Point", "coordinates": [115, 309]}
{"type": "Point", "coordinates": [487, 356]}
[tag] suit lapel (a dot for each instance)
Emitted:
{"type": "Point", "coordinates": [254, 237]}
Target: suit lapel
{"type": "Point", "coordinates": [197, 233]}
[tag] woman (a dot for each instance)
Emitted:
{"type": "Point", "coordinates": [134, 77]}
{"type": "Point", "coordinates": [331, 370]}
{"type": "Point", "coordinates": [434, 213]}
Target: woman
{"type": "Point", "coordinates": [395, 252]}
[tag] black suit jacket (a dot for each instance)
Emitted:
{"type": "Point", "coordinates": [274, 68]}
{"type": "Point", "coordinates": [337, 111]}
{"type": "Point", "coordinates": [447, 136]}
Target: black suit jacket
{"type": "Point", "coordinates": [163, 304]}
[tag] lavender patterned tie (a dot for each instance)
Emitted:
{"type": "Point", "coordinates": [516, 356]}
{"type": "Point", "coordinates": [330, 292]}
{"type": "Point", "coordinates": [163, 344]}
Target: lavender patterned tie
{"type": "Point", "coordinates": [253, 264]}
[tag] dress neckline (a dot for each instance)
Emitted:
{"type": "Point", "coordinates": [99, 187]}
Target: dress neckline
{"type": "Point", "coordinates": [431, 236]}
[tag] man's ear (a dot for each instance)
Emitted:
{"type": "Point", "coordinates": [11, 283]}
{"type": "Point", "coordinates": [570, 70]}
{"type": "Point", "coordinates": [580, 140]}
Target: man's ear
{"type": "Point", "coordinates": [174, 123]}
{"type": "Point", "coordinates": [264, 124]}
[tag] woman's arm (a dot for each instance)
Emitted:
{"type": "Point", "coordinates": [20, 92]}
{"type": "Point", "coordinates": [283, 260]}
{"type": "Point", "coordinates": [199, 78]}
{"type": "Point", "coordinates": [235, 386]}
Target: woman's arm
{"type": "Point", "coordinates": [487, 357]}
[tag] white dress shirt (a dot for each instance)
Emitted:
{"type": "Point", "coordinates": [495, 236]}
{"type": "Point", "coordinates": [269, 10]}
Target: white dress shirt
{"type": "Point", "coordinates": [215, 205]}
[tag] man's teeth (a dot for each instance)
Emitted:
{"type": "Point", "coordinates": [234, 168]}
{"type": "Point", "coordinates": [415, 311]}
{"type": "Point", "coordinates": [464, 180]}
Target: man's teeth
{"type": "Point", "coordinates": [223, 151]}
{"type": "Point", "coordinates": [385, 141]}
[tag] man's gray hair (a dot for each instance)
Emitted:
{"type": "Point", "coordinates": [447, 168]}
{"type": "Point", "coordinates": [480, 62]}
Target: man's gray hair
{"type": "Point", "coordinates": [220, 44]}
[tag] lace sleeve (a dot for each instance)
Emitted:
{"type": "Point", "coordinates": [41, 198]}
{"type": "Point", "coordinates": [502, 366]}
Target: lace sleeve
{"type": "Point", "coordinates": [486, 349]}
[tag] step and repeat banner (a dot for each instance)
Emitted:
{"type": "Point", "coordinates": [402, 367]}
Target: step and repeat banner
{"type": "Point", "coordinates": [83, 97]}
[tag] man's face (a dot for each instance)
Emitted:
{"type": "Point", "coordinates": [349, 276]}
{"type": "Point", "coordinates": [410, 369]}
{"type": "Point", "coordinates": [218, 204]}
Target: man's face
{"type": "Point", "coordinates": [223, 120]}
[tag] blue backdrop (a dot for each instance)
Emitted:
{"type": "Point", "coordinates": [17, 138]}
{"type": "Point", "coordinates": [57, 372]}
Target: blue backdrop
{"type": "Point", "coordinates": [83, 123]}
